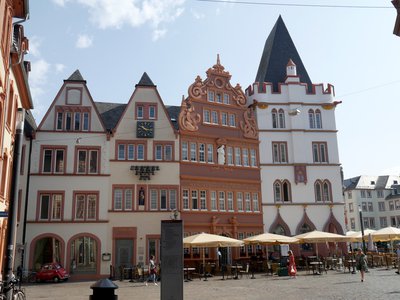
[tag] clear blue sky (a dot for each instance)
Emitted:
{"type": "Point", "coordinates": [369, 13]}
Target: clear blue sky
{"type": "Point", "coordinates": [113, 42]}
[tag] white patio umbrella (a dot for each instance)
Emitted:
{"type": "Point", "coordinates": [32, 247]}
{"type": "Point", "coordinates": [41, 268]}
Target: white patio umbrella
{"type": "Point", "coordinates": [356, 236]}
{"type": "Point", "coordinates": [210, 240]}
{"type": "Point", "coordinates": [270, 239]}
{"type": "Point", "coordinates": [320, 237]}
{"type": "Point", "coordinates": [387, 234]}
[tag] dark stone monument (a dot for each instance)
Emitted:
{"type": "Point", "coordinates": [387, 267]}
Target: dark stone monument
{"type": "Point", "coordinates": [172, 260]}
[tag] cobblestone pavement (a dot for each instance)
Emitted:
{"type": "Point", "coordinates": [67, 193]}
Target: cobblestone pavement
{"type": "Point", "coordinates": [378, 284]}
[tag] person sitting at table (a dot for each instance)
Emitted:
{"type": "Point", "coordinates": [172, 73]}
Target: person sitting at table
{"type": "Point", "coordinates": [292, 265]}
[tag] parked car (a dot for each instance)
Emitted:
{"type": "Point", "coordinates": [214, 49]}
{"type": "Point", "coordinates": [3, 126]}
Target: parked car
{"type": "Point", "coordinates": [52, 272]}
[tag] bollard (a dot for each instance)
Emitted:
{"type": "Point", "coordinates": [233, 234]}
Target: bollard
{"type": "Point", "coordinates": [103, 290]}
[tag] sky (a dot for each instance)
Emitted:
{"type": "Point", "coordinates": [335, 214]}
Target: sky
{"type": "Point", "coordinates": [113, 42]}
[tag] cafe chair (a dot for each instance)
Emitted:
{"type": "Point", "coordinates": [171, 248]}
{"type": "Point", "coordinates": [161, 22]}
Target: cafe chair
{"type": "Point", "coordinates": [229, 271]}
{"type": "Point", "coordinates": [245, 271]}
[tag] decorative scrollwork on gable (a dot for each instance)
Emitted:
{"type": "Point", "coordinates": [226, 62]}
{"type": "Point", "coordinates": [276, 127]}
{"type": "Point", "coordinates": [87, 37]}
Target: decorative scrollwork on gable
{"type": "Point", "coordinates": [197, 90]}
{"type": "Point", "coordinates": [239, 96]}
{"type": "Point", "coordinates": [188, 118]}
{"type": "Point", "coordinates": [249, 125]}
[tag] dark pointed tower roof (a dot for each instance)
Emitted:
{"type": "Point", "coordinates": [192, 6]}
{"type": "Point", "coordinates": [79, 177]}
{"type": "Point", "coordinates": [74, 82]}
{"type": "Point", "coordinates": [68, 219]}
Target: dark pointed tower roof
{"type": "Point", "coordinates": [278, 50]}
{"type": "Point", "coordinates": [76, 76]}
{"type": "Point", "coordinates": [145, 81]}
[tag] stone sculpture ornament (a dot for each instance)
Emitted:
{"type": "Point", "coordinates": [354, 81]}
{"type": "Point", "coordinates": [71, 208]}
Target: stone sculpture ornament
{"type": "Point", "coordinates": [249, 125]}
{"type": "Point", "coordinates": [188, 118]}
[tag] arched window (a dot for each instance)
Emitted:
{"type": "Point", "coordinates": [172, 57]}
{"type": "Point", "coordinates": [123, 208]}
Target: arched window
{"type": "Point", "coordinates": [281, 116]}
{"type": "Point", "coordinates": [323, 191]}
{"type": "Point", "coordinates": [279, 230]}
{"type": "Point", "coordinates": [318, 119]}
{"type": "Point", "coordinates": [274, 118]}
{"type": "Point", "coordinates": [311, 118]}
{"type": "Point", "coordinates": [84, 255]}
{"type": "Point", "coordinates": [318, 191]}
{"type": "Point", "coordinates": [282, 191]}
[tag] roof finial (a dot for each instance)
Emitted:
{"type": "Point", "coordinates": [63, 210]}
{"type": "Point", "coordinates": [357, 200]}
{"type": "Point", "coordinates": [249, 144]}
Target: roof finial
{"type": "Point", "coordinates": [218, 63]}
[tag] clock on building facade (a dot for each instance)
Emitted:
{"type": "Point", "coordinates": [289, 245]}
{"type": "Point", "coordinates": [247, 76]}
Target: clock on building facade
{"type": "Point", "coordinates": [145, 129]}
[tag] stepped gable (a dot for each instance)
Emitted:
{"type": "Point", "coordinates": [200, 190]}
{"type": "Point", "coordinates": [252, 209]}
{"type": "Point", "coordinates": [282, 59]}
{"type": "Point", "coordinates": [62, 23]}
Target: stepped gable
{"type": "Point", "coordinates": [76, 76]}
{"type": "Point", "coordinates": [110, 113]}
{"type": "Point", "coordinates": [145, 81]}
{"type": "Point", "coordinates": [278, 50]}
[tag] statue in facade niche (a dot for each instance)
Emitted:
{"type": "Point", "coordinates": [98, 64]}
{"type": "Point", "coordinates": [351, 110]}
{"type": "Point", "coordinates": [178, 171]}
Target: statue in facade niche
{"type": "Point", "coordinates": [188, 118]}
{"type": "Point", "coordinates": [221, 155]}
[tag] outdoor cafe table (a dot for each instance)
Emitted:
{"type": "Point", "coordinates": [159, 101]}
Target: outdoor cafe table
{"type": "Point", "coordinates": [316, 266]}
{"type": "Point", "coordinates": [236, 268]}
{"type": "Point", "coordinates": [187, 273]}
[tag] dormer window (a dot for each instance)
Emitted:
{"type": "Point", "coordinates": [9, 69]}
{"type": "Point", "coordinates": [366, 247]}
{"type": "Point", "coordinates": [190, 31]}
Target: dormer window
{"type": "Point", "coordinates": [72, 119]}
{"type": "Point", "coordinates": [146, 111]}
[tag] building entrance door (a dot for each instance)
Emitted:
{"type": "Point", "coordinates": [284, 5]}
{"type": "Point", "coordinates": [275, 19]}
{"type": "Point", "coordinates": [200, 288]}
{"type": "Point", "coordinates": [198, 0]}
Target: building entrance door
{"type": "Point", "coordinates": [124, 253]}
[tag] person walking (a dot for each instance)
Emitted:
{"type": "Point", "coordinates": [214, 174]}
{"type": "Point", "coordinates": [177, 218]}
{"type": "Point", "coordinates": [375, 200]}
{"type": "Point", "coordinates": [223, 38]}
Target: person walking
{"type": "Point", "coordinates": [292, 265]}
{"type": "Point", "coordinates": [361, 263]}
{"type": "Point", "coordinates": [398, 258]}
{"type": "Point", "coordinates": [152, 270]}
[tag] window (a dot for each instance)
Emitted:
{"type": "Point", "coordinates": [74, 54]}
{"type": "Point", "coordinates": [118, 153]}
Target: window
{"type": "Point", "coordinates": [314, 119]}
{"type": "Point", "coordinates": [351, 207]}
{"type": "Point", "coordinates": [53, 160]}
{"type": "Point", "coordinates": [193, 153]}
{"type": "Point", "coordinates": [203, 202]}
{"type": "Point", "coordinates": [77, 121]}
{"type": "Point", "coordinates": [279, 152]}
{"type": "Point", "coordinates": [239, 200]}
{"type": "Point", "coordinates": [213, 200]}
{"type": "Point", "coordinates": [253, 158]}
{"type": "Point", "coordinates": [323, 191]}
{"type": "Point", "coordinates": [214, 117]}
{"type": "Point", "coordinates": [210, 153]}
{"type": "Point", "coordinates": [185, 199]}
{"type": "Point", "coordinates": [238, 157]}
{"type": "Point", "coordinates": [123, 198]}
{"type": "Point", "coordinates": [139, 112]}
{"type": "Point", "coordinates": [281, 117]}
{"type": "Point", "coordinates": [152, 112]}
{"type": "Point", "coordinates": [50, 207]}
{"type": "Point", "coordinates": [370, 206]}
{"type": "Point", "coordinates": [371, 222]}
{"type": "Point", "coordinates": [140, 152]}
{"type": "Point", "coordinates": [369, 194]}
{"type": "Point", "coordinates": [226, 98]}
{"type": "Point", "coordinates": [229, 155]}
{"type": "Point", "coordinates": [247, 202]}
{"type": "Point", "coordinates": [230, 201]}
{"type": "Point", "coordinates": [245, 157]}
{"type": "Point", "coordinates": [221, 200]}
{"type": "Point", "coordinates": [383, 222]}
{"type": "Point", "coordinates": [210, 96]}
{"type": "Point", "coordinates": [364, 206]}
{"type": "Point", "coordinates": [320, 152]}
{"type": "Point", "coordinates": [255, 202]}
{"type": "Point", "coordinates": [195, 200]}
{"type": "Point", "coordinates": [282, 191]}
{"type": "Point", "coordinates": [121, 152]}
{"type": "Point", "coordinates": [60, 119]}
{"type": "Point", "coordinates": [393, 221]}
{"type": "Point", "coordinates": [366, 222]}
{"type": "Point", "coordinates": [131, 151]}
{"type": "Point", "coordinates": [85, 251]}
{"type": "Point", "coordinates": [68, 122]}
{"type": "Point", "coordinates": [85, 206]}
{"type": "Point", "coordinates": [202, 154]}
{"type": "Point", "coordinates": [219, 98]}
{"type": "Point", "coordinates": [72, 118]}
{"type": "Point", "coordinates": [163, 200]}
{"type": "Point", "coordinates": [349, 195]}
{"type": "Point", "coordinates": [224, 119]}
{"type": "Point", "coordinates": [391, 205]}
{"type": "Point", "coordinates": [163, 152]}
{"type": "Point", "coordinates": [153, 199]}
{"type": "Point", "coordinates": [278, 118]}
{"type": "Point", "coordinates": [185, 156]}
{"type": "Point", "coordinates": [232, 120]}
{"type": "Point", "coordinates": [206, 116]}
{"type": "Point", "coordinates": [85, 121]}
{"type": "Point", "coordinates": [172, 199]}
{"type": "Point", "coordinates": [274, 114]}
{"type": "Point", "coordinates": [379, 193]}
{"type": "Point", "coordinates": [381, 206]}
{"type": "Point", "coordinates": [87, 161]}
{"type": "Point", "coordinates": [362, 194]}
{"type": "Point", "coordinates": [397, 204]}
{"type": "Point", "coordinates": [353, 223]}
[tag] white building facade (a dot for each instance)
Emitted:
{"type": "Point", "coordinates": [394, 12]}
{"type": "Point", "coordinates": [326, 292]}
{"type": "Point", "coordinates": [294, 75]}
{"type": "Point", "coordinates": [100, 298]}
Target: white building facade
{"type": "Point", "coordinates": [378, 199]}
{"type": "Point", "coordinates": [300, 167]}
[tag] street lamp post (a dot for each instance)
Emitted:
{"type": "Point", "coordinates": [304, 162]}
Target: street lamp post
{"type": "Point", "coordinates": [362, 228]}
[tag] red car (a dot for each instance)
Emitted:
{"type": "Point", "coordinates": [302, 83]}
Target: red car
{"type": "Point", "coordinates": [52, 272]}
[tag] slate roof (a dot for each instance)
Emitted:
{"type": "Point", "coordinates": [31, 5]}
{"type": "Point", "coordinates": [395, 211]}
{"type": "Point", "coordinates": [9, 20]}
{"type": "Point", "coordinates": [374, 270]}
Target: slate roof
{"type": "Point", "coordinates": [110, 113]}
{"type": "Point", "coordinates": [173, 112]}
{"type": "Point", "coordinates": [29, 124]}
{"type": "Point", "coordinates": [76, 76]}
{"type": "Point", "coordinates": [351, 183]}
{"type": "Point", "coordinates": [145, 81]}
{"type": "Point", "coordinates": [278, 50]}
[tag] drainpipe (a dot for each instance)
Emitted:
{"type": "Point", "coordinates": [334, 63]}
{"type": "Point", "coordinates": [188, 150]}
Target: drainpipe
{"type": "Point", "coordinates": [28, 179]}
